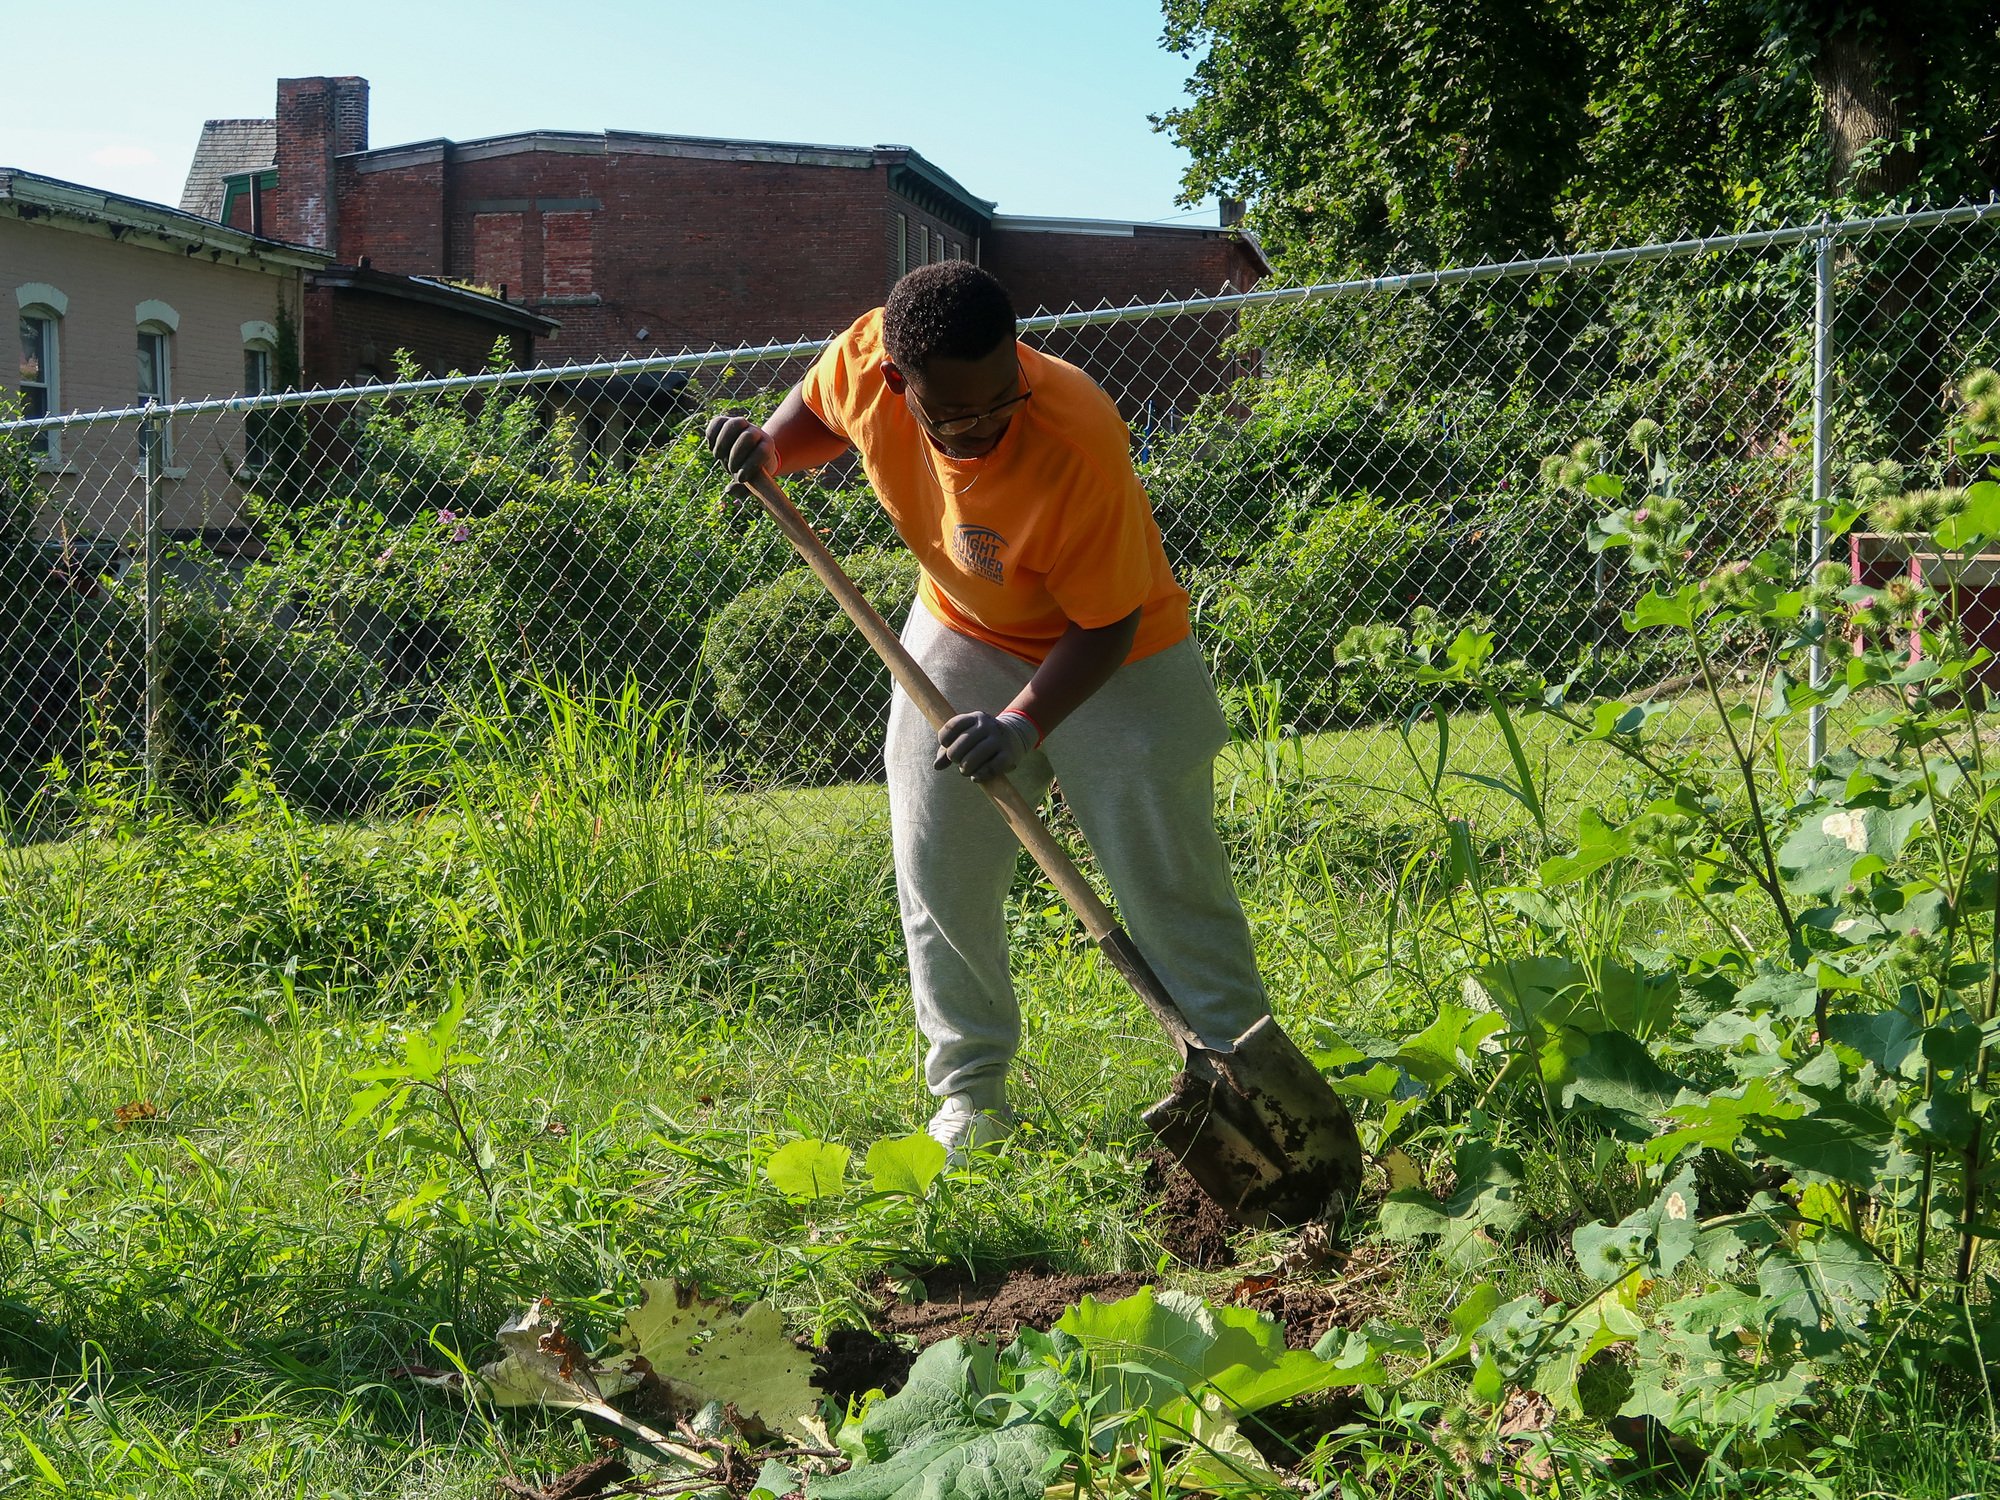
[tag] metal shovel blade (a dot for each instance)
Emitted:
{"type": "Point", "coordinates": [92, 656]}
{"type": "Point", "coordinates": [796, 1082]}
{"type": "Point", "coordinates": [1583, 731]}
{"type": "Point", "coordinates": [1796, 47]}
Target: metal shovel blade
{"type": "Point", "coordinates": [1260, 1130]}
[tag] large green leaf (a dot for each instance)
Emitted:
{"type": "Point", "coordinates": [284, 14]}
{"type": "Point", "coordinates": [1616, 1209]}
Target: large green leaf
{"type": "Point", "coordinates": [1002, 1463]}
{"type": "Point", "coordinates": [907, 1164]}
{"type": "Point", "coordinates": [1616, 1072]}
{"type": "Point", "coordinates": [944, 1437]}
{"type": "Point", "coordinates": [1485, 1200]}
{"type": "Point", "coordinates": [807, 1169]}
{"type": "Point", "coordinates": [1839, 1142]}
{"type": "Point", "coordinates": [1154, 1351]}
{"type": "Point", "coordinates": [1441, 1051]}
{"type": "Point", "coordinates": [1549, 994]}
{"type": "Point", "coordinates": [1829, 1284]}
{"type": "Point", "coordinates": [1821, 852]}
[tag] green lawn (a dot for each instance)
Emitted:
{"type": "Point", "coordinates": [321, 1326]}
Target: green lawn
{"type": "Point", "coordinates": [206, 1282]}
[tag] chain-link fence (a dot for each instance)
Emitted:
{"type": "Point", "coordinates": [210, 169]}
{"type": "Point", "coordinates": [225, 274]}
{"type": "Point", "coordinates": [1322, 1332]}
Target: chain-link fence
{"type": "Point", "coordinates": [329, 587]}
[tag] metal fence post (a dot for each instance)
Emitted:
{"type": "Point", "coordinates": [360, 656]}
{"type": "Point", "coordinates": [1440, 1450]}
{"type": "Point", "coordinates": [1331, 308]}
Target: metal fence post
{"type": "Point", "coordinates": [149, 447]}
{"type": "Point", "coordinates": [1822, 464]}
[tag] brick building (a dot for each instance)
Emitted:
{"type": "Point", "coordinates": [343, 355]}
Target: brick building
{"type": "Point", "coordinates": [641, 243]}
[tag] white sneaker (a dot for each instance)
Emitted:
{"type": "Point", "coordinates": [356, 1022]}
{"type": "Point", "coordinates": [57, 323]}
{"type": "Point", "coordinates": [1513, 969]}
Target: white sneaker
{"type": "Point", "coordinates": [960, 1126]}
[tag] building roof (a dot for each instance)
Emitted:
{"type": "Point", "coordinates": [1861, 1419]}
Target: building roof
{"type": "Point", "coordinates": [649, 143]}
{"type": "Point", "coordinates": [226, 147]}
{"type": "Point", "coordinates": [28, 195]}
{"type": "Point", "coordinates": [1133, 229]}
{"type": "Point", "coordinates": [434, 293]}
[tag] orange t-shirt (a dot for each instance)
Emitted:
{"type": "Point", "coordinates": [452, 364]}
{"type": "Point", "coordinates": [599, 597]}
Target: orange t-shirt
{"type": "Point", "coordinates": [1050, 527]}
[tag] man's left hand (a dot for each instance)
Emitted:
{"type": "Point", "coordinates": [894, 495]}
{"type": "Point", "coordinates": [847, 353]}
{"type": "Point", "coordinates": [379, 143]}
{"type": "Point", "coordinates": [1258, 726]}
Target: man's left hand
{"type": "Point", "coordinates": [983, 746]}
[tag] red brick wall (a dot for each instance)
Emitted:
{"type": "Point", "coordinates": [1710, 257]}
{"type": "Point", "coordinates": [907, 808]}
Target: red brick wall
{"type": "Point", "coordinates": [348, 329]}
{"type": "Point", "coordinates": [498, 254]}
{"type": "Point", "coordinates": [395, 217]}
{"type": "Point", "coordinates": [694, 251]}
{"type": "Point", "coordinates": [566, 244]}
{"type": "Point", "coordinates": [1153, 369]}
{"type": "Point", "coordinates": [1054, 271]}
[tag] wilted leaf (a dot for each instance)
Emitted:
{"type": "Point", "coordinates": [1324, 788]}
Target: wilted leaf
{"type": "Point", "coordinates": [707, 1351]}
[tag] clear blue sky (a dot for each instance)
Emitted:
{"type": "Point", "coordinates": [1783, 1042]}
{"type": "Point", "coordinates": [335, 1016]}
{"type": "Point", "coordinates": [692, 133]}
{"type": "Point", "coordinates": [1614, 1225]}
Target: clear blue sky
{"type": "Point", "coordinates": [1041, 104]}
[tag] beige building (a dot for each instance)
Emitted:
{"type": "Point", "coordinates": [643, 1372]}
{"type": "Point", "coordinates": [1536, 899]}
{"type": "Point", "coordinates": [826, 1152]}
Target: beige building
{"type": "Point", "coordinates": [119, 301]}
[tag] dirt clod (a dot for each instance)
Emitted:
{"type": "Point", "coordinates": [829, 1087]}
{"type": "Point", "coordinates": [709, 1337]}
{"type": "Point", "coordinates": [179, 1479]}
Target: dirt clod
{"type": "Point", "coordinates": [995, 1306]}
{"type": "Point", "coordinates": [580, 1483]}
{"type": "Point", "coordinates": [855, 1361]}
{"type": "Point", "coordinates": [1190, 1224]}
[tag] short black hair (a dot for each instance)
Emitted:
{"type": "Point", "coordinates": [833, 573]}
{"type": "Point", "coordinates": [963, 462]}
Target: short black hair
{"type": "Point", "coordinates": [950, 308]}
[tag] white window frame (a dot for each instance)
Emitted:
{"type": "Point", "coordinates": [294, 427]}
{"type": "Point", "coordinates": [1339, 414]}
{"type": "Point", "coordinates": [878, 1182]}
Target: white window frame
{"type": "Point", "coordinates": [47, 305]}
{"type": "Point", "coordinates": [156, 320]}
{"type": "Point", "coordinates": [260, 342]}
{"type": "Point", "coordinates": [902, 245]}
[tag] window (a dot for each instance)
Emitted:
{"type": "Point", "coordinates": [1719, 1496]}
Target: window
{"type": "Point", "coordinates": [957, 251]}
{"type": "Point", "coordinates": [260, 344]}
{"type": "Point", "coordinates": [40, 385]}
{"type": "Point", "coordinates": [923, 244]}
{"type": "Point", "coordinates": [902, 245]}
{"type": "Point", "coordinates": [156, 382]}
{"type": "Point", "coordinates": [256, 424]}
{"type": "Point", "coordinates": [38, 377]}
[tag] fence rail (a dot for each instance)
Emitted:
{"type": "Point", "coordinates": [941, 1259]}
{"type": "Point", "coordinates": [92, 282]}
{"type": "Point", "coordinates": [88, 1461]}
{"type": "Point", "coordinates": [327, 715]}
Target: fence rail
{"type": "Point", "coordinates": [324, 582]}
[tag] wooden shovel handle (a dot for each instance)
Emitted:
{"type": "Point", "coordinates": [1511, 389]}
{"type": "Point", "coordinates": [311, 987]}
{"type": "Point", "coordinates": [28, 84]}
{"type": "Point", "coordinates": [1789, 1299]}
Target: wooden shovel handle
{"type": "Point", "coordinates": [1063, 874]}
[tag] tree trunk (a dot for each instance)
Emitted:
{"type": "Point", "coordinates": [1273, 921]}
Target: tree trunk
{"type": "Point", "coordinates": [1866, 78]}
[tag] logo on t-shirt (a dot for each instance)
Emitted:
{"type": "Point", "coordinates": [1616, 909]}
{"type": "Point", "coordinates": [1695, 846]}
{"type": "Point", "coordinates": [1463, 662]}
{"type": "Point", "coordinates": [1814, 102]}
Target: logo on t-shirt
{"type": "Point", "coordinates": [978, 550]}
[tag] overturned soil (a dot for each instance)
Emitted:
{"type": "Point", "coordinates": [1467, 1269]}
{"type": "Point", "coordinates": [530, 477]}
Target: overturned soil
{"type": "Point", "coordinates": [855, 1361]}
{"type": "Point", "coordinates": [1190, 1225]}
{"type": "Point", "coordinates": [1312, 1308]}
{"type": "Point", "coordinates": [996, 1305]}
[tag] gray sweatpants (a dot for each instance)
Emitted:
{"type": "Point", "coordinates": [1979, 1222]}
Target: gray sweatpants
{"type": "Point", "coordinates": [1136, 764]}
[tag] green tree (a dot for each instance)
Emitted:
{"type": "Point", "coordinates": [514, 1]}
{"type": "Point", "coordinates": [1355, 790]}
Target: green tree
{"type": "Point", "coordinates": [1365, 132]}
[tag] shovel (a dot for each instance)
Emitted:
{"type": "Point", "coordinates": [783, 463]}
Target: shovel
{"type": "Point", "coordinates": [1254, 1123]}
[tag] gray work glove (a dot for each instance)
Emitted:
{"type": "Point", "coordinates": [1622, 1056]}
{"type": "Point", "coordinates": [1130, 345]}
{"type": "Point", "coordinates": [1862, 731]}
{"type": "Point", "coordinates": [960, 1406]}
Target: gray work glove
{"type": "Point", "coordinates": [983, 746]}
{"type": "Point", "coordinates": [741, 446]}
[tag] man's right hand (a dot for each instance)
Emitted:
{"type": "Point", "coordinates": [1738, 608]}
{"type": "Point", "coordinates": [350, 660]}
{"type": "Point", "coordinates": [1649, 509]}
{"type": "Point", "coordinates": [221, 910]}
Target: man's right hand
{"type": "Point", "coordinates": [741, 446]}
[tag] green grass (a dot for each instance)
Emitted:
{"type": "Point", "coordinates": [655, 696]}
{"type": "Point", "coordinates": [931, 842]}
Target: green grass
{"type": "Point", "coordinates": [206, 1283]}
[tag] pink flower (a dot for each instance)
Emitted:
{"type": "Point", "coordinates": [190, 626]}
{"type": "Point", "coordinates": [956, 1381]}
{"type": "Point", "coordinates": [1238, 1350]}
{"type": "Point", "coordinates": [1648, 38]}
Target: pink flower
{"type": "Point", "coordinates": [1641, 516]}
{"type": "Point", "coordinates": [383, 557]}
{"type": "Point", "coordinates": [461, 533]}
{"type": "Point", "coordinates": [1867, 603]}
{"type": "Point", "coordinates": [446, 517]}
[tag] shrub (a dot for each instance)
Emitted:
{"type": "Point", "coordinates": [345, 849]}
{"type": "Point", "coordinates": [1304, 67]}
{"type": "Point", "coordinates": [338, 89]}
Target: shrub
{"type": "Point", "coordinates": [1281, 616]}
{"type": "Point", "coordinates": [801, 689]}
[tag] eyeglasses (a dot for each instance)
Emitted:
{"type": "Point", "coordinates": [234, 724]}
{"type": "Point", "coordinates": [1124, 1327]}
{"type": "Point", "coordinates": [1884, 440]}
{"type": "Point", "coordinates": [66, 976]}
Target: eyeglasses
{"type": "Point", "coordinates": [960, 425]}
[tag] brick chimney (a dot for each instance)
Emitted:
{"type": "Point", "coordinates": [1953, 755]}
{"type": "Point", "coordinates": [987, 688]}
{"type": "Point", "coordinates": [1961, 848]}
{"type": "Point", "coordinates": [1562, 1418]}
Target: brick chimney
{"type": "Point", "coordinates": [318, 119]}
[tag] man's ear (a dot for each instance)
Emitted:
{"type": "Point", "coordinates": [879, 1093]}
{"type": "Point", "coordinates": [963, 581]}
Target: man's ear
{"type": "Point", "coordinates": [892, 377]}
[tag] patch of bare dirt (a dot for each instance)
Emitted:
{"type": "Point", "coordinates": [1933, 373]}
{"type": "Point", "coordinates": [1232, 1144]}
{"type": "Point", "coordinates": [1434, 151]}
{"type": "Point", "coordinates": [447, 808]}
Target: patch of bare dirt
{"type": "Point", "coordinates": [994, 1306]}
{"type": "Point", "coordinates": [1190, 1224]}
{"type": "Point", "coordinates": [1311, 1307]}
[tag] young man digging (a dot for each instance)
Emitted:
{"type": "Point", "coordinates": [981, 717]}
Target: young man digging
{"type": "Point", "coordinates": [1046, 613]}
